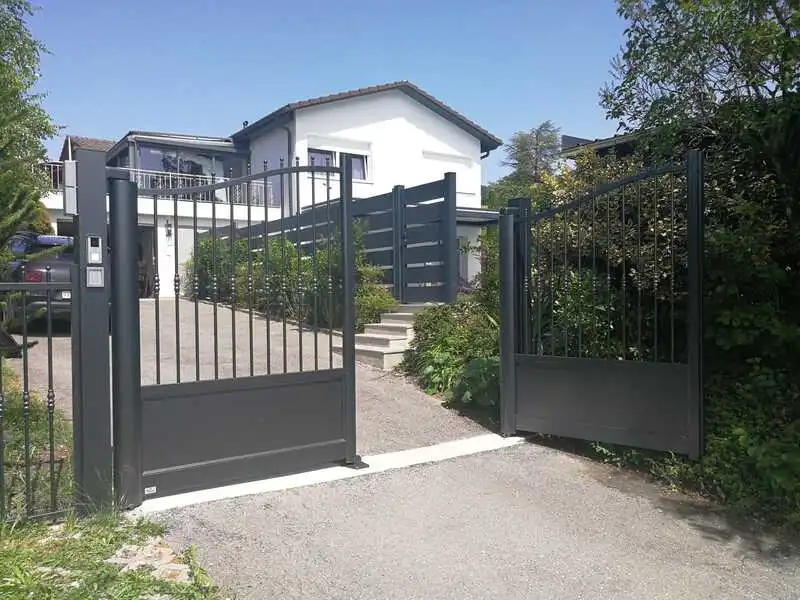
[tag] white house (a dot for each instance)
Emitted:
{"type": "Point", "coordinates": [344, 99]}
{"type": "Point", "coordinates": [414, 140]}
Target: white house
{"type": "Point", "coordinates": [397, 133]}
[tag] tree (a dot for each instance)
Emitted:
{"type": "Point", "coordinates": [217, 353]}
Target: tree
{"type": "Point", "coordinates": [724, 75]}
{"type": "Point", "coordinates": [532, 153]}
{"type": "Point", "coordinates": [24, 124]}
{"type": "Point", "coordinates": [684, 58]}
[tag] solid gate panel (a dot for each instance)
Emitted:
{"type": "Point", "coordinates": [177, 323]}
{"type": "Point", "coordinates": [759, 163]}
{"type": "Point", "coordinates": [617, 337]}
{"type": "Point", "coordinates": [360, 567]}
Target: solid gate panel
{"type": "Point", "coordinates": [619, 402]}
{"type": "Point", "coordinates": [426, 293]}
{"type": "Point", "coordinates": [378, 221]}
{"type": "Point", "coordinates": [372, 204]}
{"type": "Point", "coordinates": [417, 255]}
{"type": "Point", "coordinates": [422, 214]}
{"type": "Point", "coordinates": [212, 433]}
{"type": "Point", "coordinates": [378, 239]}
{"type": "Point", "coordinates": [426, 274]}
{"type": "Point", "coordinates": [425, 192]}
{"type": "Point", "coordinates": [379, 258]}
{"type": "Point", "coordinates": [421, 234]}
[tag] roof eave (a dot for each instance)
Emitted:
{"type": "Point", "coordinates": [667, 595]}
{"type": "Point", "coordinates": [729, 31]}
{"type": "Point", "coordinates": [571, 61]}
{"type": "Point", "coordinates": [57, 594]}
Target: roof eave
{"type": "Point", "coordinates": [287, 112]}
{"type": "Point", "coordinates": [490, 144]}
{"type": "Point", "coordinates": [118, 147]}
{"type": "Point", "coordinates": [276, 118]}
{"type": "Point", "coordinates": [601, 144]}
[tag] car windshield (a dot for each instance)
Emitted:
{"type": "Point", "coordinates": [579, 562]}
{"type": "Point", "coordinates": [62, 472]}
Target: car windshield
{"type": "Point", "coordinates": [50, 248]}
{"type": "Point", "coordinates": [25, 246]}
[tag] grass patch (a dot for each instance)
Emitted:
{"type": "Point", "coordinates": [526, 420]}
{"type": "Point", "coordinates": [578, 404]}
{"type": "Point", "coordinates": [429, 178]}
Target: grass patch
{"type": "Point", "coordinates": [69, 562]}
{"type": "Point", "coordinates": [37, 475]}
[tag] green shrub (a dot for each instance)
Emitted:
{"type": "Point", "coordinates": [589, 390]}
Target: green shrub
{"type": "Point", "coordinates": [372, 300]}
{"type": "Point", "coordinates": [751, 459]}
{"type": "Point", "coordinates": [214, 261]}
{"type": "Point", "coordinates": [479, 384]}
{"type": "Point", "coordinates": [303, 286]}
{"type": "Point", "coordinates": [446, 339]}
{"type": "Point", "coordinates": [38, 450]}
{"type": "Point", "coordinates": [279, 290]}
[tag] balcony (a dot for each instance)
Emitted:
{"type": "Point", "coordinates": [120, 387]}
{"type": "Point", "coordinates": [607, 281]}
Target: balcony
{"type": "Point", "coordinates": [237, 194]}
{"type": "Point", "coordinates": [54, 171]}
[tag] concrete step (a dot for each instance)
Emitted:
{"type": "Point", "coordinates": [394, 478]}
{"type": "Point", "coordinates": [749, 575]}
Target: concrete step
{"type": "Point", "coordinates": [398, 317]}
{"type": "Point", "coordinates": [381, 358]}
{"type": "Point", "coordinates": [414, 307]}
{"type": "Point", "coordinates": [392, 342]}
{"type": "Point", "coordinates": [399, 329]}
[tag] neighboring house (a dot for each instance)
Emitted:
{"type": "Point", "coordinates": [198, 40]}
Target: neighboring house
{"type": "Point", "coordinates": [620, 145]}
{"type": "Point", "coordinates": [396, 133]}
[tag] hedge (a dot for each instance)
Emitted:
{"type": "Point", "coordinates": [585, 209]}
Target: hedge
{"type": "Point", "coordinates": [751, 461]}
{"type": "Point", "coordinates": [279, 280]}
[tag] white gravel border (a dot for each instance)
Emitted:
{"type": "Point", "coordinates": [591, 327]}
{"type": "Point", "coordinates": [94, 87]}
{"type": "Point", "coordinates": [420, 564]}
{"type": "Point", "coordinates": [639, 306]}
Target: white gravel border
{"type": "Point", "coordinates": [377, 464]}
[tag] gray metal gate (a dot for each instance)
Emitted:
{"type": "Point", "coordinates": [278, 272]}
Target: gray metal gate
{"type": "Point", "coordinates": [601, 301]}
{"type": "Point", "coordinates": [231, 377]}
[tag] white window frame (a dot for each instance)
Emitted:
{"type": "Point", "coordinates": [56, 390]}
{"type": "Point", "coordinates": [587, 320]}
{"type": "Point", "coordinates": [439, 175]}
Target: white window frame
{"type": "Point", "coordinates": [336, 157]}
{"type": "Point", "coordinates": [331, 153]}
{"type": "Point", "coordinates": [367, 165]}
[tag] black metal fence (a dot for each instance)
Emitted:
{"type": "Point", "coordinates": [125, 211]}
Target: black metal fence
{"type": "Point", "coordinates": [601, 313]}
{"type": "Point", "coordinates": [36, 450]}
{"type": "Point", "coordinates": [246, 281]}
{"type": "Point", "coordinates": [409, 233]}
{"type": "Point", "coordinates": [230, 376]}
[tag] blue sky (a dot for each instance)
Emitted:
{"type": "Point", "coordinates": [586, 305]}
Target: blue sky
{"type": "Point", "coordinates": [204, 66]}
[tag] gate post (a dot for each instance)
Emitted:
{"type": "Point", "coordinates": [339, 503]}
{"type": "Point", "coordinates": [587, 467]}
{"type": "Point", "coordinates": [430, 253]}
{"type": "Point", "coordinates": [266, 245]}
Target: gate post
{"type": "Point", "coordinates": [348, 312]}
{"type": "Point", "coordinates": [125, 345]}
{"type": "Point", "coordinates": [398, 241]}
{"type": "Point", "coordinates": [450, 234]}
{"type": "Point", "coordinates": [508, 327]}
{"type": "Point", "coordinates": [522, 273]}
{"type": "Point", "coordinates": [695, 173]}
{"type": "Point", "coordinates": [91, 402]}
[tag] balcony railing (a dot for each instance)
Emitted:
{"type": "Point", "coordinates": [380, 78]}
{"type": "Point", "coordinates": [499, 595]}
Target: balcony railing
{"type": "Point", "coordinates": [55, 174]}
{"type": "Point", "coordinates": [236, 194]}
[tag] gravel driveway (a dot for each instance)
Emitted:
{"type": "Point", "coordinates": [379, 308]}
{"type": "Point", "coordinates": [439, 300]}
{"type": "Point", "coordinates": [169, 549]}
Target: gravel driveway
{"type": "Point", "coordinates": [392, 413]}
{"type": "Point", "coordinates": [524, 522]}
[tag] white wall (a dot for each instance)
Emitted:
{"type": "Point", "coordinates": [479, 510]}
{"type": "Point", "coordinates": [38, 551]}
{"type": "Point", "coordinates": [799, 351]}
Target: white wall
{"type": "Point", "coordinates": [272, 147]}
{"type": "Point", "coordinates": [405, 144]}
{"type": "Point", "coordinates": [469, 266]}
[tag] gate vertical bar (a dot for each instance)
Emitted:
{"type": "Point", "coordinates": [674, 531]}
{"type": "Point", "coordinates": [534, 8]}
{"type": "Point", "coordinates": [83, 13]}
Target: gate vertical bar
{"type": "Point", "coordinates": [125, 346]}
{"type": "Point", "coordinates": [398, 241]}
{"type": "Point", "coordinates": [522, 273]}
{"type": "Point", "coordinates": [695, 173]}
{"type": "Point", "coordinates": [450, 233]}
{"type": "Point", "coordinates": [508, 286]}
{"type": "Point", "coordinates": [348, 309]}
{"type": "Point", "coordinates": [91, 402]}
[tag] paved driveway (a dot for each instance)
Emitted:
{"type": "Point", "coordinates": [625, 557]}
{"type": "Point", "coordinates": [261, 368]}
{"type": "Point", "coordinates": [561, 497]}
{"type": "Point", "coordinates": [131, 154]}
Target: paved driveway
{"type": "Point", "coordinates": [523, 522]}
{"type": "Point", "coordinates": [392, 413]}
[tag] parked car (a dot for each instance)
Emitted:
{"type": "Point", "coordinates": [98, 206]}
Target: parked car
{"type": "Point", "coordinates": [33, 254]}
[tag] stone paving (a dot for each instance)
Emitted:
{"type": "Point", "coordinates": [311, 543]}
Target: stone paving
{"type": "Point", "coordinates": [155, 556]}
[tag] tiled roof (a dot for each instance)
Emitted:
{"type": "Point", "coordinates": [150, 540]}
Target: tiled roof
{"type": "Point", "coordinates": [79, 141]}
{"type": "Point", "coordinates": [488, 141]}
